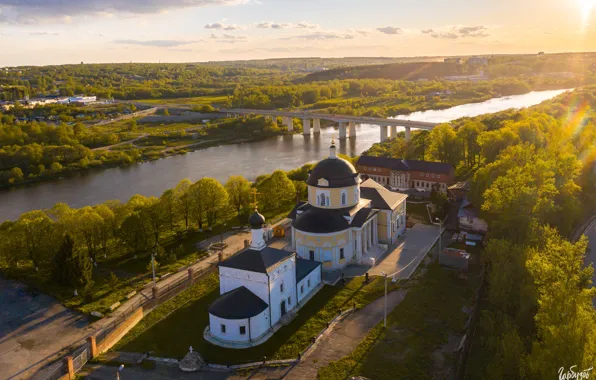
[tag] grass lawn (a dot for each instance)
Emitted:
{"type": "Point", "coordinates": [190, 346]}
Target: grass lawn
{"type": "Point", "coordinates": [418, 328]}
{"type": "Point", "coordinates": [418, 211]}
{"type": "Point", "coordinates": [171, 337]}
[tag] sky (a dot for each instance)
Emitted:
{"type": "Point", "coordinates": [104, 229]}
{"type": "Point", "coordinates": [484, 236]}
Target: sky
{"type": "Point", "coordinates": [41, 32]}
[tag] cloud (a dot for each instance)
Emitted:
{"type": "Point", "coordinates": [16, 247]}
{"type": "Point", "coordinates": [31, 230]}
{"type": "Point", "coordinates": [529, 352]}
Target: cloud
{"type": "Point", "coordinates": [228, 38]}
{"type": "Point", "coordinates": [279, 25]}
{"type": "Point", "coordinates": [154, 43]}
{"type": "Point", "coordinates": [322, 36]}
{"type": "Point", "coordinates": [456, 32]}
{"type": "Point", "coordinates": [390, 30]}
{"type": "Point", "coordinates": [35, 11]}
{"type": "Point", "coordinates": [44, 34]}
{"type": "Point", "coordinates": [363, 32]}
{"type": "Point", "coordinates": [306, 25]}
{"type": "Point", "coordinates": [220, 26]}
{"type": "Point", "coordinates": [273, 25]}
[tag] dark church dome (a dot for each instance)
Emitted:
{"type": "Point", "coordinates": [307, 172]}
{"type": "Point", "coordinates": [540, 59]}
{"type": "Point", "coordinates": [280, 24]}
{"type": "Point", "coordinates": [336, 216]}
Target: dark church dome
{"type": "Point", "coordinates": [256, 220]}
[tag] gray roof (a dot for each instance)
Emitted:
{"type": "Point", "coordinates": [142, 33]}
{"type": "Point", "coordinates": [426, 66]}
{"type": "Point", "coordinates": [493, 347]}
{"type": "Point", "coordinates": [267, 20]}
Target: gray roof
{"type": "Point", "coordinates": [337, 171]}
{"type": "Point", "coordinates": [239, 303]}
{"type": "Point", "coordinates": [253, 260]}
{"type": "Point", "coordinates": [405, 165]}
{"type": "Point", "coordinates": [379, 196]}
{"type": "Point", "coordinates": [304, 267]}
{"type": "Point", "coordinates": [320, 220]}
{"type": "Point", "coordinates": [362, 216]}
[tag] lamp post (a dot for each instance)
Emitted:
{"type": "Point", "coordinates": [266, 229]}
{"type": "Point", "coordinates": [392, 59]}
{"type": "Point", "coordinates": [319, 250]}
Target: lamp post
{"type": "Point", "coordinates": [385, 302]}
{"type": "Point", "coordinates": [440, 233]}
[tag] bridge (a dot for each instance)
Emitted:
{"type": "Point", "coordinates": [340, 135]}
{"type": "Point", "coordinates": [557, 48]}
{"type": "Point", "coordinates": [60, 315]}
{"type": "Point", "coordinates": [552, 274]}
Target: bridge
{"type": "Point", "coordinates": [346, 123]}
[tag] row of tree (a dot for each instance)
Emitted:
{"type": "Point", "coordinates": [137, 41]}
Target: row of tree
{"type": "Point", "coordinates": [38, 239]}
{"type": "Point", "coordinates": [535, 184]}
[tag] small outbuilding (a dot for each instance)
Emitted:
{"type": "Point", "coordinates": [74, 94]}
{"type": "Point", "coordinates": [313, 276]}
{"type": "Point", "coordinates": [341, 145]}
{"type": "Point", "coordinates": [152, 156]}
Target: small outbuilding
{"type": "Point", "coordinates": [454, 258]}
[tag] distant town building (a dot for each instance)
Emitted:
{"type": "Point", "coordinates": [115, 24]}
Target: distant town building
{"type": "Point", "coordinates": [404, 175]}
{"type": "Point", "coordinates": [453, 60]}
{"type": "Point", "coordinates": [473, 77]}
{"type": "Point", "coordinates": [477, 61]}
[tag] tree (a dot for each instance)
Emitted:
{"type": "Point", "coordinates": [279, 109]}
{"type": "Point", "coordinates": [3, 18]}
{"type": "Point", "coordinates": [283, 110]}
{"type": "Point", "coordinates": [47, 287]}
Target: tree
{"type": "Point", "coordinates": [276, 190]}
{"type": "Point", "coordinates": [565, 320]}
{"type": "Point", "coordinates": [134, 232]}
{"type": "Point", "coordinates": [89, 225]}
{"type": "Point", "coordinates": [16, 175]}
{"type": "Point", "coordinates": [209, 198]}
{"type": "Point", "coordinates": [168, 204]}
{"type": "Point", "coordinates": [238, 189]}
{"type": "Point", "coordinates": [72, 267]}
{"type": "Point", "coordinates": [444, 145]}
{"type": "Point", "coordinates": [106, 227]}
{"type": "Point", "coordinates": [35, 229]}
{"type": "Point", "coordinates": [468, 135]}
{"type": "Point", "coordinates": [183, 200]}
{"type": "Point", "coordinates": [155, 216]}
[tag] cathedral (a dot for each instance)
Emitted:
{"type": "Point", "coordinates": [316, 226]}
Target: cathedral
{"type": "Point", "coordinates": [345, 221]}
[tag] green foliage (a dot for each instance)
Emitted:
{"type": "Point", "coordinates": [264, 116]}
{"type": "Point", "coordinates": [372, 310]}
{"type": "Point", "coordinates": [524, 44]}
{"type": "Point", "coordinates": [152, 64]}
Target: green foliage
{"type": "Point", "coordinates": [275, 190]}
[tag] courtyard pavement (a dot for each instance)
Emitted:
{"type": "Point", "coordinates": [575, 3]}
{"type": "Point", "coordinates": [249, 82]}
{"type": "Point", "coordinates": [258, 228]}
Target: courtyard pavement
{"type": "Point", "coordinates": [408, 254]}
{"type": "Point", "coordinates": [33, 329]}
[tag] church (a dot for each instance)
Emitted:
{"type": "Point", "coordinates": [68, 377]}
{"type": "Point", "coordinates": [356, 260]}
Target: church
{"type": "Point", "coordinates": [345, 221]}
{"type": "Point", "coordinates": [261, 289]}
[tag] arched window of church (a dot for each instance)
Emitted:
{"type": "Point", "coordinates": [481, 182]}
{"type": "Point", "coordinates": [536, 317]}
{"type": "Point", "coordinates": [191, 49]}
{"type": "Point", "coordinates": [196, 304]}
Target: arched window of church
{"type": "Point", "coordinates": [322, 200]}
{"type": "Point", "coordinates": [344, 198]}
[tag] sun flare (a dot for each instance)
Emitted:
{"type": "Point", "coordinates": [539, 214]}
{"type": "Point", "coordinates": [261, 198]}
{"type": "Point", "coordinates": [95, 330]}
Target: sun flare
{"type": "Point", "coordinates": [586, 7]}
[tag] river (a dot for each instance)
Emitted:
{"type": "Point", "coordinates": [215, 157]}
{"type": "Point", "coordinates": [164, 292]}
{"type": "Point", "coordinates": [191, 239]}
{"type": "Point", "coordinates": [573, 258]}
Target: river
{"type": "Point", "coordinates": [247, 159]}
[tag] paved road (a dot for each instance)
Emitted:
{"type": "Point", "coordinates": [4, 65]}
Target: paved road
{"type": "Point", "coordinates": [591, 257]}
{"type": "Point", "coordinates": [407, 255]}
{"type": "Point", "coordinates": [121, 143]}
{"type": "Point", "coordinates": [33, 327]}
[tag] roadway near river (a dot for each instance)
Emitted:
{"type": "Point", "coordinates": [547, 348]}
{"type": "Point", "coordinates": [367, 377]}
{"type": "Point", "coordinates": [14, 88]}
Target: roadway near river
{"type": "Point", "coordinates": [591, 257]}
{"type": "Point", "coordinates": [220, 162]}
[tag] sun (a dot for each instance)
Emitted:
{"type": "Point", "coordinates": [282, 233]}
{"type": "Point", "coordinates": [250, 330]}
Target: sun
{"type": "Point", "coordinates": [586, 7]}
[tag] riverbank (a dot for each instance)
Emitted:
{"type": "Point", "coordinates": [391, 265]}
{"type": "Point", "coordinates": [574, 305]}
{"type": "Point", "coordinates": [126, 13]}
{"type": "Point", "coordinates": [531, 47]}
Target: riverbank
{"type": "Point", "coordinates": [285, 152]}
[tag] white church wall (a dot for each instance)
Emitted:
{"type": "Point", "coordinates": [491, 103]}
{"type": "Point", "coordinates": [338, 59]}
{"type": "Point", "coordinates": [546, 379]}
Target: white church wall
{"type": "Point", "coordinates": [308, 284]}
{"type": "Point", "coordinates": [230, 279]}
{"type": "Point", "coordinates": [232, 329]}
{"type": "Point", "coordinates": [259, 324]}
{"type": "Point", "coordinates": [284, 273]}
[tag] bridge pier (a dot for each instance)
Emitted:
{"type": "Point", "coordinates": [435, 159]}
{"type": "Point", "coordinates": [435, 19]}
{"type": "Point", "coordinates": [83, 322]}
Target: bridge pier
{"type": "Point", "coordinates": [383, 133]}
{"type": "Point", "coordinates": [352, 126]}
{"type": "Point", "coordinates": [408, 134]}
{"type": "Point", "coordinates": [289, 122]}
{"type": "Point", "coordinates": [316, 123]}
{"type": "Point", "coordinates": [342, 130]}
{"type": "Point", "coordinates": [306, 126]}
{"type": "Point", "coordinates": [393, 131]}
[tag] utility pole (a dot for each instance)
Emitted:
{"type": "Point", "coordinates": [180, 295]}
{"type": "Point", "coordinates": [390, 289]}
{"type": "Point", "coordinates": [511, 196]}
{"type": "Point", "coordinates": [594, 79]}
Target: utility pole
{"type": "Point", "coordinates": [385, 301]}
{"type": "Point", "coordinates": [153, 267]}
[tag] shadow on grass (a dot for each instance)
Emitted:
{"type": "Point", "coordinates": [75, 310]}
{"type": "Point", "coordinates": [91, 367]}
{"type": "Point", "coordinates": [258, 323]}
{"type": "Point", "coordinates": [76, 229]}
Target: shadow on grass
{"type": "Point", "coordinates": [172, 336]}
